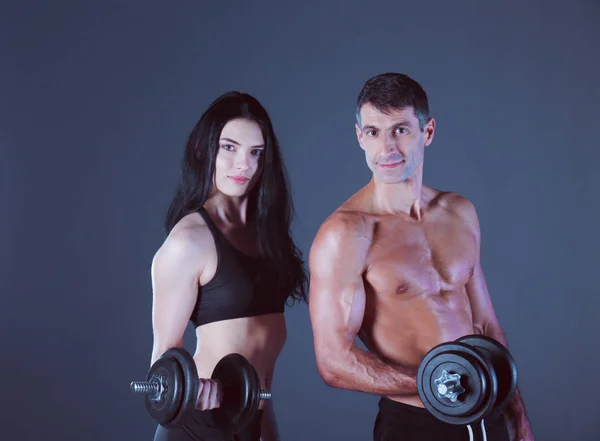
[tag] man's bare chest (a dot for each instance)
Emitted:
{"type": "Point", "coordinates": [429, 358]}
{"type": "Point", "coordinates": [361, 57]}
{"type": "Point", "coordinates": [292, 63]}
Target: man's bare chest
{"type": "Point", "coordinates": [411, 258]}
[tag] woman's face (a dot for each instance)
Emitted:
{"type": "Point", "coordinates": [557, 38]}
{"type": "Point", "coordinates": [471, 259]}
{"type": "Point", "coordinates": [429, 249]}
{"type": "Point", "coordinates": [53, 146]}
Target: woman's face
{"type": "Point", "coordinates": [239, 163]}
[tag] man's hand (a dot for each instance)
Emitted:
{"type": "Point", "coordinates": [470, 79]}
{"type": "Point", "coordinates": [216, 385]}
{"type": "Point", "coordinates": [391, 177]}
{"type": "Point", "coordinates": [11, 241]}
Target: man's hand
{"type": "Point", "coordinates": [210, 394]}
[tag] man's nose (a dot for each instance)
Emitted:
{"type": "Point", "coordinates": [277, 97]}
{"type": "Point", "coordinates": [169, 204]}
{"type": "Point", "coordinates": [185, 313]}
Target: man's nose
{"type": "Point", "coordinates": [389, 143]}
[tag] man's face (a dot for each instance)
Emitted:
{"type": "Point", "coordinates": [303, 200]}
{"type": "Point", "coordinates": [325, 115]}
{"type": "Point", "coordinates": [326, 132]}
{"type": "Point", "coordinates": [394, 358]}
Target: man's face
{"type": "Point", "coordinates": [393, 143]}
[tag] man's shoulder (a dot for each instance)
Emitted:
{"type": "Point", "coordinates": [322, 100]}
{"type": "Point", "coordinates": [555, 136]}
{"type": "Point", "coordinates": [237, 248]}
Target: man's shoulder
{"type": "Point", "coordinates": [457, 206]}
{"type": "Point", "coordinates": [452, 201]}
{"type": "Point", "coordinates": [343, 231]}
{"type": "Point", "coordinates": [345, 222]}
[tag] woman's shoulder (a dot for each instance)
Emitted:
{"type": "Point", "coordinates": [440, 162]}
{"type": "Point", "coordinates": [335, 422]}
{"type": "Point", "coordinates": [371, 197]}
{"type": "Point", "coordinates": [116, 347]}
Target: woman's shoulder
{"type": "Point", "coordinates": [189, 239]}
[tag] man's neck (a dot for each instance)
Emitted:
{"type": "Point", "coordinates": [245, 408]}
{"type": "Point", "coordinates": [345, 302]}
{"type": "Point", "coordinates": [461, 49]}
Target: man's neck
{"type": "Point", "coordinates": [405, 197]}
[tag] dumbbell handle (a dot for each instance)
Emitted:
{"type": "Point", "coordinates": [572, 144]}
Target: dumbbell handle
{"type": "Point", "coordinates": [145, 387]}
{"type": "Point", "coordinates": [154, 387]}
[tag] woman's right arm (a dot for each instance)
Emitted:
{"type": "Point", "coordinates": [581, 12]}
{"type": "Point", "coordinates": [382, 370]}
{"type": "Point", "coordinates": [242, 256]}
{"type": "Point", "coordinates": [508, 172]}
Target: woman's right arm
{"type": "Point", "coordinates": [176, 268]}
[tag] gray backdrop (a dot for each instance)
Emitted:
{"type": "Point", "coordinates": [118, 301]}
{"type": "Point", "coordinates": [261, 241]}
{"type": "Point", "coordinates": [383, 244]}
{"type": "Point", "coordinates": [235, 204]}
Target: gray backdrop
{"type": "Point", "coordinates": [97, 99]}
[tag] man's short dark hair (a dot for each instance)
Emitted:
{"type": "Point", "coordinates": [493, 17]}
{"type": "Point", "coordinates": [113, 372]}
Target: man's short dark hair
{"type": "Point", "coordinates": [394, 91]}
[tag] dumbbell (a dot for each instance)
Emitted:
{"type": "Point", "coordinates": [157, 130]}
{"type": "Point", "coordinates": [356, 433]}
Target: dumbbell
{"type": "Point", "coordinates": [467, 380]}
{"type": "Point", "coordinates": [171, 390]}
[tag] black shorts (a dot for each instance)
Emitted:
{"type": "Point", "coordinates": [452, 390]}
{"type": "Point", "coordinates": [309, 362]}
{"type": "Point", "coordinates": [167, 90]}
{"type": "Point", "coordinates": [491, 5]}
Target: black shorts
{"type": "Point", "coordinates": [201, 427]}
{"type": "Point", "coordinates": [398, 421]}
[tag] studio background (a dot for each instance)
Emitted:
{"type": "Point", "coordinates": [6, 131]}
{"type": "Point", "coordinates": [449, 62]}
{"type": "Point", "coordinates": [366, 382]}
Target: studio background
{"type": "Point", "coordinates": [97, 100]}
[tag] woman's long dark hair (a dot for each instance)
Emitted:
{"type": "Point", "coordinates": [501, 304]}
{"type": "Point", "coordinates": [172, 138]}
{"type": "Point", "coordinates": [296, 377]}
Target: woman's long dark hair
{"type": "Point", "coordinates": [270, 206]}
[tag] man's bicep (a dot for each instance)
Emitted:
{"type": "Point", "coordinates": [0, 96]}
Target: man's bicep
{"type": "Point", "coordinates": [336, 297]}
{"type": "Point", "coordinates": [336, 308]}
{"type": "Point", "coordinates": [482, 307]}
{"type": "Point", "coordinates": [485, 320]}
{"type": "Point", "coordinates": [482, 310]}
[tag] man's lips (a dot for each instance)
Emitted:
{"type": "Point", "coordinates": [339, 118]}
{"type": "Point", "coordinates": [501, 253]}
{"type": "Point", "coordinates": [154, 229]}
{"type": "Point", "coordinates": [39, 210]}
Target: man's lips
{"type": "Point", "coordinates": [391, 164]}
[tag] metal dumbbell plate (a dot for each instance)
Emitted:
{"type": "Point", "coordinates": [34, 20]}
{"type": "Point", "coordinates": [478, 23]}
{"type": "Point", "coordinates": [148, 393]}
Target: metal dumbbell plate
{"type": "Point", "coordinates": [476, 378]}
{"type": "Point", "coordinates": [241, 392]}
{"type": "Point", "coordinates": [177, 368]}
{"type": "Point", "coordinates": [503, 363]}
{"type": "Point", "coordinates": [163, 404]}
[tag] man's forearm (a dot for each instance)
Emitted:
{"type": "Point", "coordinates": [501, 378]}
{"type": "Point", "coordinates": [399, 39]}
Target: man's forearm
{"type": "Point", "coordinates": [364, 371]}
{"type": "Point", "coordinates": [516, 416]}
{"type": "Point", "coordinates": [515, 411]}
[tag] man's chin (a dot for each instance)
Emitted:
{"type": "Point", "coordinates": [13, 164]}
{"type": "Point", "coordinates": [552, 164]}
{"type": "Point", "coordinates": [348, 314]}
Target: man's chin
{"type": "Point", "coordinates": [390, 180]}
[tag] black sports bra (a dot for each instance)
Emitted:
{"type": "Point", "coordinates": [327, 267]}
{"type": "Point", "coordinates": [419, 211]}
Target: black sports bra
{"type": "Point", "coordinates": [241, 287]}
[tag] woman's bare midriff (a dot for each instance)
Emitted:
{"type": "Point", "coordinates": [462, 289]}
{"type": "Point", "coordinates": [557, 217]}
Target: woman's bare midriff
{"type": "Point", "coordinates": [259, 339]}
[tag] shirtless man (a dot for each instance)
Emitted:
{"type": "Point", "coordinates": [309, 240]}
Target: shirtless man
{"type": "Point", "coordinates": [398, 266]}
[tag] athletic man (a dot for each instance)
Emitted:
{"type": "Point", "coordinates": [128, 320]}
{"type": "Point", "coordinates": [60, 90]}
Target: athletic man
{"type": "Point", "coordinates": [398, 266]}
